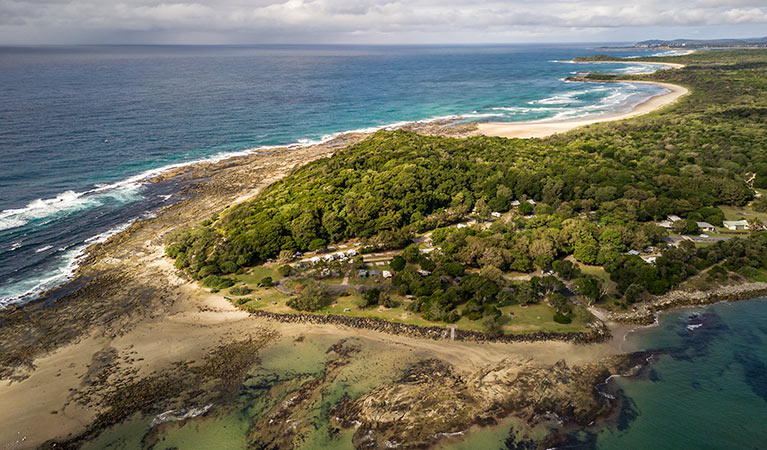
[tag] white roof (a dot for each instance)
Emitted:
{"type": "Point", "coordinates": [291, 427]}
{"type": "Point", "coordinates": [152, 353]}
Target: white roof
{"type": "Point", "coordinates": [674, 218]}
{"type": "Point", "coordinates": [736, 223]}
{"type": "Point", "coordinates": [704, 225]}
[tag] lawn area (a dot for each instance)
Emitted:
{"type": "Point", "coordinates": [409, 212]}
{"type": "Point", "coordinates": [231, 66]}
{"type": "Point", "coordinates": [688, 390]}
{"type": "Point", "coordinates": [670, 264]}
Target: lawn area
{"type": "Point", "coordinates": [262, 298]}
{"type": "Point", "coordinates": [601, 274]}
{"type": "Point", "coordinates": [742, 213]}
{"type": "Point", "coordinates": [256, 274]}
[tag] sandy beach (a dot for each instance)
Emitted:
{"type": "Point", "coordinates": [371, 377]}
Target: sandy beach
{"type": "Point", "coordinates": [543, 129]}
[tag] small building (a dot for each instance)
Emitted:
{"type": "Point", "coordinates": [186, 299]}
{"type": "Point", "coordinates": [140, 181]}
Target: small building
{"type": "Point", "coordinates": [461, 225]}
{"type": "Point", "coordinates": [329, 257]}
{"type": "Point", "coordinates": [351, 252]}
{"type": "Point", "coordinates": [736, 225]}
{"type": "Point", "coordinates": [531, 201]}
{"type": "Point", "coordinates": [649, 259]}
{"type": "Point", "coordinates": [386, 274]}
{"type": "Point", "coordinates": [633, 253]}
{"type": "Point", "coordinates": [363, 273]}
{"type": "Point", "coordinates": [706, 227]}
{"type": "Point", "coordinates": [425, 273]}
{"type": "Point", "coordinates": [674, 218]}
{"type": "Point", "coordinates": [374, 273]}
{"type": "Point", "coordinates": [314, 259]}
{"type": "Point", "coordinates": [665, 224]}
{"type": "Point", "coordinates": [495, 214]}
{"type": "Point", "coordinates": [515, 203]}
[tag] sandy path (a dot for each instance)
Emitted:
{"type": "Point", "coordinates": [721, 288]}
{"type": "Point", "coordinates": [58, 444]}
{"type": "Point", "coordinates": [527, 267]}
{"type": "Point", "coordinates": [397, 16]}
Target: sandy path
{"type": "Point", "coordinates": [543, 129]}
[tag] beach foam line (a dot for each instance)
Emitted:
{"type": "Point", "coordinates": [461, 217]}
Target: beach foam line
{"type": "Point", "coordinates": [29, 289]}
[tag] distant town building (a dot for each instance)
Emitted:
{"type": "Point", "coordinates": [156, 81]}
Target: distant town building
{"type": "Point", "coordinates": [495, 214]}
{"type": "Point", "coordinates": [515, 203]}
{"type": "Point", "coordinates": [363, 273]}
{"type": "Point", "coordinates": [674, 218]}
{"type": "Point", "coordinates": [386, 274]}
{"type": "Point", "coordinates": [531, 201]}
{"type": "Point", "coordinates": [374, 273]}
{"type": "Point", "coordinates": [736, 225]}
{"type": "Point", "coordinates": [633, 252]}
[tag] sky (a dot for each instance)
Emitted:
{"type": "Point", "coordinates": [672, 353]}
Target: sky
{"type": "Point", "coordinates": [29, 22]}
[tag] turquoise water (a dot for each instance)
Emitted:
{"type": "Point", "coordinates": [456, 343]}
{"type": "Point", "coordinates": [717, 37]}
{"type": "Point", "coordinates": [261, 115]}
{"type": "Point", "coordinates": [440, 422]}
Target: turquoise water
{"type": "Point", "coordinates": [707, 388]}
{"type": "Point", "coordinates": [81, 126]}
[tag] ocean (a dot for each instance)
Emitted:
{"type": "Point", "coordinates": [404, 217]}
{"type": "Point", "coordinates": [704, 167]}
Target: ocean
{"type": "Point", "coordinates": [81, 127]}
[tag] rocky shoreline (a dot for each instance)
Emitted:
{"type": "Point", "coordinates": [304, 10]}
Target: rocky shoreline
{"type": "Point", "coordinates": [596, 335]}
{"type": "Point", "coordinates": [433, 401]}
{"type": "Point", "coordinates": [644, 312]}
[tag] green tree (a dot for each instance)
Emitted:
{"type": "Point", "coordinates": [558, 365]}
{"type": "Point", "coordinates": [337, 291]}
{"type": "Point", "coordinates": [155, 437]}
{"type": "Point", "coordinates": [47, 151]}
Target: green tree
{"type": "Point", "coordinates": [397, 263]}
{"type": "Point", "coordinates": [284, 270]}
{"type": "Point", "coordinates": [313, 297]}
{"type": "Point", "coordinates": [492, 326]}
{"type": "Point", "coordinates": [411, 253]}
{"type": "Point", "coordinates": [586, 250]}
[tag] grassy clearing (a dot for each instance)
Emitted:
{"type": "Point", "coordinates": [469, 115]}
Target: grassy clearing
{"type": "Point", "coordinates": [258, 273]}
{"type": "Point", "coordinates": [742, 213]}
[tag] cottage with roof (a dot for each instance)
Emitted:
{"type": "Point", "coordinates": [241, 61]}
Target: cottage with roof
{"type": "Point", "coordinates": [706, 227]}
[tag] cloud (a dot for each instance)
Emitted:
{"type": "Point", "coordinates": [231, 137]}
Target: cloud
{"type": "Point", "coordinates": [333, 21]}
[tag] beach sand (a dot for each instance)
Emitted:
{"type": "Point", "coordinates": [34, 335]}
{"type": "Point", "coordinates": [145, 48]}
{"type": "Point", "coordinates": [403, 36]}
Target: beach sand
{"type": "Point", "coordinates": [543, 129]}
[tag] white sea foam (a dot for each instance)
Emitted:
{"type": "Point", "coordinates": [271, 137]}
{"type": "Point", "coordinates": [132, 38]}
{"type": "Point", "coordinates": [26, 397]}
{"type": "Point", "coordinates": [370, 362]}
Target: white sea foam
{"type": "Point", "coordinates": [66, 203]}
{"type": "Point", "coordinates": [177, 415]}
{"type": "Point", "coordinates": [42, 249]}
{"type": "Point", "coordinates": [30, 288]}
